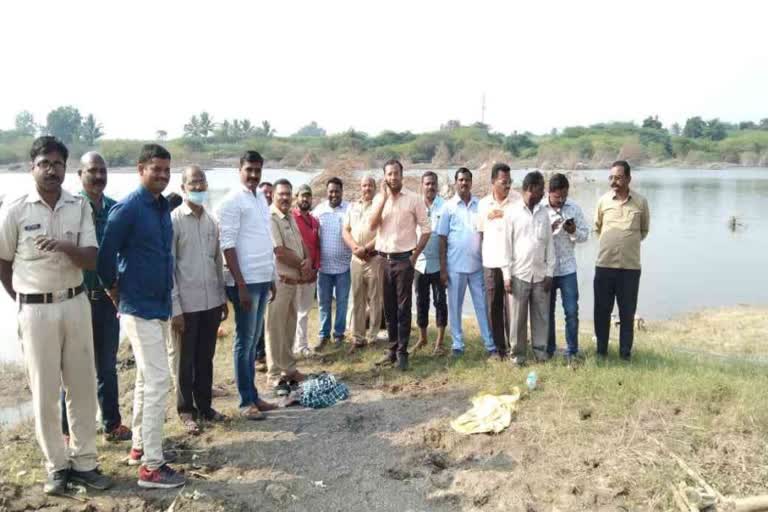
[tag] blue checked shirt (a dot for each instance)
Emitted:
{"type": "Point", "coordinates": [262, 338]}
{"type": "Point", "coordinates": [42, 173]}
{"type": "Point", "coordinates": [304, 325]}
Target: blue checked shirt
{"type": "Point", "coordinates": [335, 256]}
{"type": "Point", "coordinates": [428, 261]}
{"type": "Point", "coordinates": [565, 243]}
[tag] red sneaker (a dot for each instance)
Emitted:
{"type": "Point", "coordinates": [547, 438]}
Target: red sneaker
{"type": "Point", "coordinates": [134, 458]}
{"type": "Point", "coordinates": [163, 477]}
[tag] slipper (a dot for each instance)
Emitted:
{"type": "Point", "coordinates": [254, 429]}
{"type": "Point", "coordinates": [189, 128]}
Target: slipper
{"type": "Point", "coordinates": [190, 425]}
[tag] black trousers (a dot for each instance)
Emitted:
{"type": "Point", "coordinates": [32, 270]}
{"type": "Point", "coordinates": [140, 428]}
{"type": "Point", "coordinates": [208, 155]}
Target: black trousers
{"type": "Point", "coordinates": [398, 301]}
{"type": "Point", "coordinates": [621, 285]}
{"type": "Point", "coordinates": [195, 371]}
{"type": "Point", "coordinates": [425, 283]}
{"type": "Point", "coordinates": [497, 308]}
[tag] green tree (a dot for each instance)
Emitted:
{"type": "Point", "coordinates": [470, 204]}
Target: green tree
{"type": "Point", "coordinates": [675, 129]}
{"type": "Point", "coordinates": [518, 143]}
{"type": "Point", "coordinates": [205, 125]}
{"type": "Point", "coordinates": [192, 128]}
{"type": "Point", "coordinates": [266, 129]}
{"type": "Point", "coordinates": [224, 131]}
{"type": "Point", "coordinates": [310, 130]}
{"type": "Point", "coordinates": [652, 122]}
{"type": "Point", "coordinates": [91, 131]}
{"type": "Point", "coordinates": [763, 125]}
{"type": "Point", "coordinates": [64, 123]}
{"type": "Point", "coordinates": [450, 125]}
{"type": "Point", "coordinates": [161, 135]}
{"type": "Point", "coordinates": [25, 123]}
{"type": "Point", "coordinates": [747, 125]}
{"type": "Point", "coordinates": [694, 127]}
{"type": "Point", "coordinates": [715, 129]}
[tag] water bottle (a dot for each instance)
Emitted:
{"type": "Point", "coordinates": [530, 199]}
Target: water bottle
{"type": "Point", "coordinates": [531, 381]}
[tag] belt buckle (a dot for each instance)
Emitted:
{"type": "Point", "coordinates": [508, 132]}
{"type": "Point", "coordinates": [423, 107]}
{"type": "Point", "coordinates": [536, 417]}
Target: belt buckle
{"type": "Point", "coordinates": [60, 296]}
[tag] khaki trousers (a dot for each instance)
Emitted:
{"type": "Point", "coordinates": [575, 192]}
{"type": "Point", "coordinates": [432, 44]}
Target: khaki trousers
{"type": "Point", "coordinates": [367, 296]}
{"type": "Point", "coordinates": [57, 340]}
{"type": "Point", "coordinates": [281, 332]}
{"type": "Point", "coordinates": [524, 297]}
{"type": "Point", "coordinates": [149, 341]}
{"type": "Point", "coordinates": [305, 298]}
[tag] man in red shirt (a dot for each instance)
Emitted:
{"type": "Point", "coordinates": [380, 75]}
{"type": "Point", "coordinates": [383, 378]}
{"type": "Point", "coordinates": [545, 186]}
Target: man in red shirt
{"type": "Point", "coordinates": [309, 227]}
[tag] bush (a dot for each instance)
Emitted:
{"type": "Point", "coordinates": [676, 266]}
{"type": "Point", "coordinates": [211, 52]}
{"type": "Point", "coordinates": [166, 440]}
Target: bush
{"type": "Point", "coordinates": [120, 153]}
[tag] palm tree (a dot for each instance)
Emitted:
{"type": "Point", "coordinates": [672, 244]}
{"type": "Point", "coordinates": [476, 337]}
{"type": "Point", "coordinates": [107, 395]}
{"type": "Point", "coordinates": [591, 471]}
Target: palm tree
{"type": "Point", "coordinates": [266, 129]}
{"type": "Point", "coordinates": [91, 131]}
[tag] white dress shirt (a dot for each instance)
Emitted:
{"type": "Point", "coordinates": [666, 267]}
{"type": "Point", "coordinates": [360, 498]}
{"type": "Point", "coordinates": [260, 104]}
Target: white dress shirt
{"type": "Point", "coordinates": [493, 229]}
{"type": "Point", "coordinates": [530, 247]}
{"type": "Point", "coordinates": [245, 226]}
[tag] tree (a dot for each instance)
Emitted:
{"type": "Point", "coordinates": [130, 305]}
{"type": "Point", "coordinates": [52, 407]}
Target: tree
{"type": "Point", "coordinates": [266, 130]}
{"type": "Point", "coordinates": [206, 125]}
{"type": "Point", "coordinates": [64, 123]}
{"type": "Point", "coordinates": [481, 126]}
{"type": "Point", "coordinates": [763, 124]}
{"type": "Point", "coordinates": [161, 135]}
{"type": "Point", "coordinates": [25, 123]}
{"type": "Point", "coordinates": [91, 131]}
{"type": "Point", "coordinates": [694, 127]}
{"type": "Point", "coordinates": [450, 125]}
{"type": "Point", "coordinates": [224, 131]}
{"type": "Point", "coordinates": [192, 128]}
{"type": "Point", "coordinates": [675, 129]}
{"type": "Point", "coordinates": [652, 122]}
{"type": "Point", "coordinates": [517, 143]}
{"type": "Point", "coordinates": [747, 125]}
{"type": "Point", "coordinates": [310, 130]}
{"type": "Point", "coordinates": [715, 130]}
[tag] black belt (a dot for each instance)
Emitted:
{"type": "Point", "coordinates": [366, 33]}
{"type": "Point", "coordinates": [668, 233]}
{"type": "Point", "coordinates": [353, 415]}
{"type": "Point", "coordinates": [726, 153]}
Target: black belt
{"type": "Point", "coordinates": [395, 255]}
{"type": "Point", "coordinates": [49, 298]}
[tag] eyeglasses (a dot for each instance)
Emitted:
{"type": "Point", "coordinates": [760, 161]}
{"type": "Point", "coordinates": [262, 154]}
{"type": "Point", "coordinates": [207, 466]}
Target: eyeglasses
{"type": "Point", "coordinates": [616, 178]}
{"type": "Point", "coordinates": [46, 165]}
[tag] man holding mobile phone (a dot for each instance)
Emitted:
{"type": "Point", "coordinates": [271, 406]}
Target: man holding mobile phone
{"type": "Point", "coordinates": [568, 228]}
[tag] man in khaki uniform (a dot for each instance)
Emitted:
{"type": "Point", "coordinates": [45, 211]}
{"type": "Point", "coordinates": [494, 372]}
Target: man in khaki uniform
{"type": "Point", "coordinates": [47, 239]}
{"type": "Point", "coordinates": [294, 267]}
{"type": "Point", "coordinates": [366, 267]}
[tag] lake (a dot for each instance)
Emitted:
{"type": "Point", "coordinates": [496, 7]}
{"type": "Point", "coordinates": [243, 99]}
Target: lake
{"type": "Point", "coordinates": [691, 258]}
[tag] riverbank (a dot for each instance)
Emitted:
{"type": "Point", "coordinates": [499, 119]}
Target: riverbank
{"type": "Point", "coordinates": [584, 439]}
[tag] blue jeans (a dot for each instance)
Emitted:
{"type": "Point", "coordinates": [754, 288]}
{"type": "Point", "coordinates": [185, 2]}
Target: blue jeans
{"type": "Point", "coordinates": [569, 292]}
{"type": "Point", "coordinates": [247, 329]}
{"type": "Point", "coordinates": [457, 287]}
{"type": "Point", "coordinates": [106, 338]}
{"type": "Point", "coordinates": [326, 284]}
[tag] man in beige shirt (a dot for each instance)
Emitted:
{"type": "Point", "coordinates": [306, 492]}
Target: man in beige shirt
{"type": "Point", "coordinates": [622, 221]}
{"type": "Point", "coordinates": [294, 267]}
{"type": "Point", "coordinates": [199, 301]}
{"type": "Point", "coordinates": [47, 239]}
{"type": "Point", "coordinates": [365, 266]}
{"type": "Point", "coordinates": [396, 215]}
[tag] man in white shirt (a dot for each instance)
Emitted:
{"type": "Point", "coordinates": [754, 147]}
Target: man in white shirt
{"type": "Point", "coordinates": [490, 224]}
{"type": "Point", "coordinates": [530, 266]}
{"type": "Point", "coordinates": [246, 240]}
{"type": "Point", "coordinates": [569, 227]}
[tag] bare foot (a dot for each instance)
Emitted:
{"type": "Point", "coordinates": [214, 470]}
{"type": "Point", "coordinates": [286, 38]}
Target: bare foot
{"type": "Point", "coordinates": [419, 345]}
{"type": "Point", "coordinates": [438, 350]}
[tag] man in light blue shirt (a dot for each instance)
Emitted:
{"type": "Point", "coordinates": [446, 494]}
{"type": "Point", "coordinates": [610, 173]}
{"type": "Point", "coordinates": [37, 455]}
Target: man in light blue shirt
{"type": "Point", "coordinates": [461, 261]}
{"type": "Point", "coordinates": [334, 279]}
{"type": "Point", "coordinates": [428, 268]}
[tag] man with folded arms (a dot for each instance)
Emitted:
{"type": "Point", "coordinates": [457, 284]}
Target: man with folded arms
{"type": "Point", "coordinates": [294, 267]}
{"type": "Point", "coordinates": [396, 215]}
{"type": "Point", "coordinates": [47, 239]}
{"type": "Point", "coordinates": [199, 302]}
{"type": "Point", "coordinates": [365, 266]}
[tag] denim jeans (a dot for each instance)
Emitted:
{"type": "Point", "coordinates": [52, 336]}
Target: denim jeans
{"type": "Point", "coordinates": [106, 338]}
{"type": "Point", "coordinates": [247, 329]}
{"type": "Point", "coordinates": [457, 287]}
{"type": "Point", "coordinates": [326, 285]}
{"type": "Point", "coordinates": [569, 293]}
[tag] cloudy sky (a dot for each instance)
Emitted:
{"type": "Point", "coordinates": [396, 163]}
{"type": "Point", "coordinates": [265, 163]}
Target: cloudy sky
{"type": "Point", "coordinates": [142, 66]}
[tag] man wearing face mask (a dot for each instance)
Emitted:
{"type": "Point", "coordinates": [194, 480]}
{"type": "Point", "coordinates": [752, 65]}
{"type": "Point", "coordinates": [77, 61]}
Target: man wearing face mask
{"type": "Point", "coordinates": [199, 302]}
{"type": "Point", "coordinates": [106, 326]}
{"type": "Point", "coordinates": [530, 265]}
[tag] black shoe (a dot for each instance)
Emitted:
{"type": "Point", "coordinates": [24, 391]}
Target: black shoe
{"type": "Point", "coordinates": [56, 483]}
{"type": "Point", "coordinates": [402, 362]}
{"type": "Point", "coordinates": [94, 479]}
{"type": "Point", "coordinates": [626, 357]}
{"type": "Point", "coordinates": [388, 360]}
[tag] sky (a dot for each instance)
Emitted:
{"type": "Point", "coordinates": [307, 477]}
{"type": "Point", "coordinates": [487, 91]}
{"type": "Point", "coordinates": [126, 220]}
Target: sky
{"type": "Point", "coordinates": [143, 66]}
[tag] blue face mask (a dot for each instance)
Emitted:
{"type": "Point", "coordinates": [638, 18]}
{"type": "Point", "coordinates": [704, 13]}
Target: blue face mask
{"type": "Point", "coordinates": [197, 197]}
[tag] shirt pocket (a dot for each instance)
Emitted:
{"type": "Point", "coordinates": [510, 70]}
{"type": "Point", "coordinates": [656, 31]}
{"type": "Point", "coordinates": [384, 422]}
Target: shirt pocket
{"type": "Point", "coordinates": [211, 244]}
{"type": "Point", "coordinates": [70, 225]}
{"type": "Point", "coordinates": [27, 248]}
{"type": "Point", "coordinates": [634, 220]}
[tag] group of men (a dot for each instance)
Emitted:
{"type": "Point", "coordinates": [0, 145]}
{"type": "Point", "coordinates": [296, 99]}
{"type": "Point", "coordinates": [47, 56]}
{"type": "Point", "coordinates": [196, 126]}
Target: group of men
{"type": "Point", "coordinates": [84, 268]}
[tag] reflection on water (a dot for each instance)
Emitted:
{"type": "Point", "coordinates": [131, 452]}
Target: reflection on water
{"type": "Point", "coordinates": [13, 414]}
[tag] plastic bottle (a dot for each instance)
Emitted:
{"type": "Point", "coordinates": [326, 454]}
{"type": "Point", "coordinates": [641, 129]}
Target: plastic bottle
{"type": "Point", "coordinates": [531, 381]}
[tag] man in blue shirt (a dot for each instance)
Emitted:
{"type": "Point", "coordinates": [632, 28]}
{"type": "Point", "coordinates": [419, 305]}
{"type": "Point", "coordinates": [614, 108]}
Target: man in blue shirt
{"type": "Point", "coordinates": [428, 268]}
{"type": "Point", "coordinates": [460, 262]}
{"type": "Point", "coordinates": [106, 327]}
{"type": "Point", "coordinates": [136, 265]}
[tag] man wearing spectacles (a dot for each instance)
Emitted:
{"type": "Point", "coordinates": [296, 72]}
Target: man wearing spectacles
{"type": "Point", "coordinates": [622, 220]}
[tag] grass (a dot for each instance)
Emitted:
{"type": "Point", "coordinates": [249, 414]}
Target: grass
{"type": "Point", "coordinates": [602, 416]}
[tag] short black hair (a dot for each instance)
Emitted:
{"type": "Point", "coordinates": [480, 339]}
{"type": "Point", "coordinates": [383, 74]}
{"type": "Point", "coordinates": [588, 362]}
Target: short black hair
{"type": "Point", "coordinates": [266, 184]}
{"type": "Point", "coordinates": [533, 179]}
{"type": "Point", "coordinates": [429, 174]}
{"type": "Point", "coordinates": [558, 181]}
{"type": "Point", "coordinates": [48, 144]}
{"type": "Point", "coordinates": [497, 168]}
{"type": "Point", "coordinates": [335, 181]}
{"type": "Point", "coordinates": [281, 181]}
{"type": "Point", "coordinates": [393, 161]}
{"type": "Point", "coordinates": [150, 151]}
{"type": "Point", "coordinates": [251, 156]}
{"type": "Point", "coordinates": [624, 165]}
{"type": "Point", "coordinates": [461, 170]}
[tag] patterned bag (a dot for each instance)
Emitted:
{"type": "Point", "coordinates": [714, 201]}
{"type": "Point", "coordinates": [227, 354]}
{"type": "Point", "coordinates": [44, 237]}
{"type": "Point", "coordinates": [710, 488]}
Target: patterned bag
{"type": "Point", "coordinates": [322, 390]}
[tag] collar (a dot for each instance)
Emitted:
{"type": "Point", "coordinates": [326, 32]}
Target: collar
{"type": "Point", "coordinates": [457, 200]}
{"type": "Point", "coordinates": [505, 202]}
{"type": "Point", "coordinates": [148, 198]}
{"type": "Point", "coordinates": [185, 209]}
{"type": "Point", "coordinates": [629, 196]}
{"type": "Point", "coordinates": [34, 197]}
{"type": "Point", "coordinates": [276, 211]}
{"type": "Point", "coordinates": [363, 202]}
{"type": "Point", "coordinates": [536, 208]}
{"type": "Point", "coordinates": [548, 206]}
{"type": "Point", "coordinates": [105, 199]}
{"type": "Point", "coordinates": [436, 202]}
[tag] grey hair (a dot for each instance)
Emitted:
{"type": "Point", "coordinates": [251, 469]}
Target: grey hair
{"type": "Point", "coordinates": [368, 177]}
{"type": "Point", "coordinates": [193, 167]}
